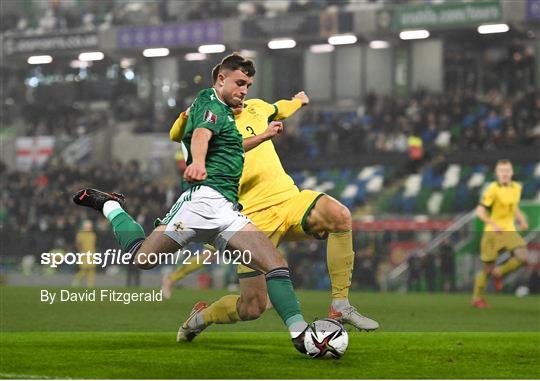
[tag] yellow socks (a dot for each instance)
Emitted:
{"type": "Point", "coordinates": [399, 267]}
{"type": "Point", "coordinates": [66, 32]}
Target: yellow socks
{"type": "Point", "coordinates": [184, 270]}
{"type": "Point", "coordinates": [193, 265]}
{"type": "Point", "coordinates": [222, 311]}
{"type": "Point", "coordinates": [510, 265]}
{"type": "Point", "coordinates": [480, 282]}
{"type": "Point", "coordinates": [340, 260]}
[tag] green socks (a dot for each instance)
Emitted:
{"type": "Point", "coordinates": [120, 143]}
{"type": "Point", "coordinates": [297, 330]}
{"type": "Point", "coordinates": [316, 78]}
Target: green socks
{"type": "Point", "coordinates": [128, 233]}
{"type": "Point", "coordinates": [283, 298]}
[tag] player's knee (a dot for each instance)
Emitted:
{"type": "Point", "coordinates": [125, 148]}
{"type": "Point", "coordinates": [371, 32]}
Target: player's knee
{"type": "Point", "coordinates": [143, 263]}
{"type": "Point", "coordinates": [521, 254]}
{"type": "Point", "coordinates": [257, 310]}
{"type": "Point", "coordinates": [277, 261]}
{"type": "Point", "coordinates": [144, 266]}
{"type": "Point", "coordinates": [488, 269]}
{"type": "Point", "coordinates": [253, 309]}
{"type": "Point", "coordinates": [340, 218]}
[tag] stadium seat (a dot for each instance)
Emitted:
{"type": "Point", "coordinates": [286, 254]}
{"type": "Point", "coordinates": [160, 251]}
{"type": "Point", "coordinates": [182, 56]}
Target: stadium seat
{"type": "Point", "coordinates": [309, 182]}
{"type": "Point", "coordinates": [434, 203]}
{"type": "Point", "coordinates": [443, 139]}
{"type": "Point", "coordinates": [375, 184]}
{"type": "Point", "coordinates": [451, 177]}
{"type": "Point", "coordinates": [412, 185]}
{"type": "Point", "coordinates": [366, 173]}
{"type": "Point", "coordinates": [476, 180]}
{"type": "Point", "coordinates": [536, 172]}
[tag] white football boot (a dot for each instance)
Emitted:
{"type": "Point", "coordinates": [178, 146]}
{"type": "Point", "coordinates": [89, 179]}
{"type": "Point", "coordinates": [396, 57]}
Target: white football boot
{"type": "Point", "coordinates": [351, 316]}
{"type": "Point", "coordinates": [189, 329]}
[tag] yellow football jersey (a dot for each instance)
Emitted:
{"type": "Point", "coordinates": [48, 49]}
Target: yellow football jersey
{"type": "Point", "coordinates": [86, 241]}
{"type": "Point", "coordinates": [503, 202]}
{"type": "Point", "coordinates": [264, 182]}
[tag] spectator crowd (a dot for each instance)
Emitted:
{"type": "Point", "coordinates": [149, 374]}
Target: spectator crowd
{"type": "Point", "coordinates": [37, 213]}
{"type": "Point", "coordinates": [39, 17]}
{"type": "Point", "coordinates": [442, 122]}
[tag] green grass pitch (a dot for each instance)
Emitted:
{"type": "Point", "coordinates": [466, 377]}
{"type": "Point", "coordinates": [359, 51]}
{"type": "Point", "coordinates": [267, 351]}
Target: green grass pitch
{"type": "Point", "coordinates": [421, 336]}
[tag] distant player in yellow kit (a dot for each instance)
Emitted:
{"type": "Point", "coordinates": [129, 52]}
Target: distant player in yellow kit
{"type": "Point", "coordinates": [85, 241]}
{"type": "Point", "coordinates": [279, 209]}
{"type": "Point", "coordinates": [498, 209]}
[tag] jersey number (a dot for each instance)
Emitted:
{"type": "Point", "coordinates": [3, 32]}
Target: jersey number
{"type": "Point", "coordinates": [251, 131]}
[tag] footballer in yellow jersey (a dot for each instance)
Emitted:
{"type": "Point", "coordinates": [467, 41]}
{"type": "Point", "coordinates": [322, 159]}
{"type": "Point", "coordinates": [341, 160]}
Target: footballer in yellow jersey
{"type": "Point", "coordinates": [85, 241]}
{"type": "Point", "coordinates": [498, 209]}
{"type": "Point", "coordinates": [279, 209]}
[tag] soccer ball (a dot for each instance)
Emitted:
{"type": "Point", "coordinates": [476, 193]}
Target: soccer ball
{"type": "Point", "coordinates": [326, 338]}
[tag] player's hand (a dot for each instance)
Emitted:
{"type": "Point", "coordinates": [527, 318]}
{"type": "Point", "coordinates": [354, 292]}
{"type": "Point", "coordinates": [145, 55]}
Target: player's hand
{"type": "Point", "coordinates": [195, 172]}
{"type": "Point", "coordinates": [186, 113]}
{"type": "Point", "coordinates": [303, 98]}
{"type": "Point", "coordinates": [273, 129]}
{"type": "Point", "coordinates": [523, 225]}
{"type": "Point", "coordinates": [496, 228]}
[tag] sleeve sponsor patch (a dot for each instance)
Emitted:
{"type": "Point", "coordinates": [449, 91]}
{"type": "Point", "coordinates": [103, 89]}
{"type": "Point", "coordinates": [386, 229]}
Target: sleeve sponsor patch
{"type": "Point", "coordinates": [210, 117]}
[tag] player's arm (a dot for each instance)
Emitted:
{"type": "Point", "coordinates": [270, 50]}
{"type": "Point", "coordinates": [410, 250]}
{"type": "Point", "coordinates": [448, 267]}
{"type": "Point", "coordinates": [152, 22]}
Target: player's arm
{"type": "Point", "coordinates": [196, 171]}
{"type": "Point", "coordinates": [286, 108]}
{"type": "Point", "coordinates": [177, 130]}
{"type": "Point", "coordinates": [273, 129]}
{"type": "Point", "coordinates": [482, 213]}
{"type": "Point", "coordinates": [522, 220]}
{"type": "Point", "coordinates": [488, 198]}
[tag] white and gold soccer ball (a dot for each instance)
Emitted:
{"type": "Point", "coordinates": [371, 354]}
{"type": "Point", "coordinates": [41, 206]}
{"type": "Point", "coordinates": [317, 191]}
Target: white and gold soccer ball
{"type": "Point", "coordinates": [326, 338]}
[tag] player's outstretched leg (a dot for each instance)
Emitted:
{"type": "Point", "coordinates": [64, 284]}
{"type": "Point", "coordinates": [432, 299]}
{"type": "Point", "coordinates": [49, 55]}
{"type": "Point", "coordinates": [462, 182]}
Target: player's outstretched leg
{"type": "Point", "coordinates": [480, 282]}
{"type": "Point", "coordinates": [128, 232]}
{"type": "Point", "coordinates": [267, 259]}
{"type": "Point", "coordinates": [264, 258]}
{"type": "Point", "coordinates": [249, 305]}
{"type": "Point", "coordinates": [518, 259]}
{"type": "Point", "coordinates": [330, 216]}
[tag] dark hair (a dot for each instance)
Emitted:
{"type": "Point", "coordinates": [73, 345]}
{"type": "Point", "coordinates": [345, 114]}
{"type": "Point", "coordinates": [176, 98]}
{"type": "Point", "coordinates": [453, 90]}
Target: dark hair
{"type": "Point", "coordinates": [236, 62]}
{"type": "Point", "coordinates": [215, 73]}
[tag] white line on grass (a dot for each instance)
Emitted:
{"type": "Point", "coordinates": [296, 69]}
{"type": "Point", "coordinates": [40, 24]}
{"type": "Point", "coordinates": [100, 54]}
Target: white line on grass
{"type": "Point", "coordinates": [28, 376]}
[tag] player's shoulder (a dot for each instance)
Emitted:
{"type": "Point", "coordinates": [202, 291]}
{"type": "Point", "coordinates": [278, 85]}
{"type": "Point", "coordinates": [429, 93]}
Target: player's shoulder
{"type": "Point", "coordinates": [492, 186]}
{"type": "Point", "coordinates": [256, 103]}
{"type": "Point", "coordinates": [259, 105]}
{"type": "Point", "coordinates": [517, 185]}
{"type": "Point", "coordinates": [206, 97]}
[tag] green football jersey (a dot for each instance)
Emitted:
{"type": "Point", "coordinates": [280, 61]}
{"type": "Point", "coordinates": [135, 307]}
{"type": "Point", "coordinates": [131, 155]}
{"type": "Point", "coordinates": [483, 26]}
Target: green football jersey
{"type": "Point", "coordinates": [225, 156]}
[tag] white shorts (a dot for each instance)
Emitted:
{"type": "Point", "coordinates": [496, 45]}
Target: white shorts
{"type": "Point", "coordinates": [202, 214]}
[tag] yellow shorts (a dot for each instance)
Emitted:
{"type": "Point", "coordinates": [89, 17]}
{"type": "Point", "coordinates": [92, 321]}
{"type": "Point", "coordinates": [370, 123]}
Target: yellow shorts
{"type": "Point", "coordinates": [283, 222]}
{"type": "Point", "coordinates": [493, 244]}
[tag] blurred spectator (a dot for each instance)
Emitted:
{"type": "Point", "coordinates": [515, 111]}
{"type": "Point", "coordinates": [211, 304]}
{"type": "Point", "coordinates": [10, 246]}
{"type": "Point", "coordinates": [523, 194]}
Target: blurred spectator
{"type": "Point", "coordinates": [430, 271]}
{"type": "Point", "coordinates": [133, 278]}
{"type": "Point", "coordinates": [367, 261]}
{"type": "Point", "coordinates": [415, 273]}
{"type": "Point", "coordinates": [448, 268]}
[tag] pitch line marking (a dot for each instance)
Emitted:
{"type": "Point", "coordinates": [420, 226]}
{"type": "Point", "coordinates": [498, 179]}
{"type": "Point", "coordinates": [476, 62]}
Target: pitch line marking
{"type": "Point", "coordinates": [28, 376]}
